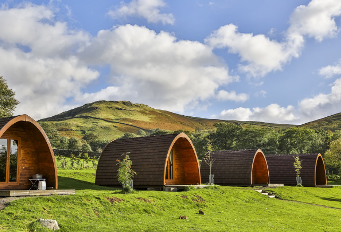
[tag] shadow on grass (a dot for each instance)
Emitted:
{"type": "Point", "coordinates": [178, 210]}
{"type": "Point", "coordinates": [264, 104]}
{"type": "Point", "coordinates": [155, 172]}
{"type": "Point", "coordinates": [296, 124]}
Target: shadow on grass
{"type": "Point", "coordinates": [331, 199]}
{"type": "Point", "coordinates": [70, 183]}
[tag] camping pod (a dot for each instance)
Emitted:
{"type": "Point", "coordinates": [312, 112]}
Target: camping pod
{"type": "Point", "coordinates": [25, 151]}
{"type": "Point", "coordinates": [157, 160]}
{"type": "Point", "coordinates": [243, 168]}
{"type": "Point", "coordinates": [282, 171]}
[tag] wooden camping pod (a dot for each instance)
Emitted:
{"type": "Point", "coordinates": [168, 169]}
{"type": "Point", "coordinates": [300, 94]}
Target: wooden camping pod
{"type": "Point", "coordinates": [157, 160]}
{"type": "Point", "coordinates": [25, 151]}
{"type": "Point", "coordinates": [243, 167]}
{"type": "Point", "coordinates": [282, 171]}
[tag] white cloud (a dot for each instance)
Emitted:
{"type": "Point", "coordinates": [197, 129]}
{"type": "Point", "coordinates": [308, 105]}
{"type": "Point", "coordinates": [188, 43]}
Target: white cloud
{"type": "Point", "coordinates": [322, 105]}
{"type": "Point", "coordinates": [330, 70]}
{"type": "Point", "coordinates": [261, 93]}
{"type": "Point", "coordinates": [263, 55]}
{"type": "Point", "coordinates": [272, 113]}
{"type": "Point", "coordinates": [148, 9]}
{"type": "Point", "coordinates": [156, 68]}
{"type": "Point", "coordinates": [47, 70]}
{"type": "Point", "coordinates": [232, 96]}
{"type": "Point", "coordinates": [316, 19]}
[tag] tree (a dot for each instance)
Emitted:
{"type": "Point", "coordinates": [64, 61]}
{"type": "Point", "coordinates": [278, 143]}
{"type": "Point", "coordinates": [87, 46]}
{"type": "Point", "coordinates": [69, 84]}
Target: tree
{"type": "Point", "coordinates": [7, 100]}
{"type": "Point", "coordinates": [52, 133]}
{"type": "Point", "coordinates": [297, 140]}
{"type": "Point", "coordinates": [226, 136]}
{"type": "Point", "coordinates": [332, 156]}
{"type": "Point", "coordinates": [86, 147]}
{"type": "Point", "coordinates": [209, 159]}
{"type": "Point", "coordinates": [63, 143]}
{"type": "Point", "coordinates": [125, 174]}
{"type": "Point", "coordinates": [74, 144]}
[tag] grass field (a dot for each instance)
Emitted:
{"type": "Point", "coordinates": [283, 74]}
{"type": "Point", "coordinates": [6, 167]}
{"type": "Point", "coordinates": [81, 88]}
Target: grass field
{"type": "Point", "coordinates": [95, 208]}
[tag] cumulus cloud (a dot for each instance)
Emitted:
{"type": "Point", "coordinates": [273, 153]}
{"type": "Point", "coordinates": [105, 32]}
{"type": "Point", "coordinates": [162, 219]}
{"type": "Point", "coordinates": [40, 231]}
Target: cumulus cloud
{"type": "Point", "coordinates": [156, 68]}
{"type": "Point", "coordinates": [232, 96]}
{"type": "Point", "coordinates": [38, 61]}
{"type": "Point", "coordinates": [322, 105]}
{"type": "Point", "coordinates": [262, 55]}
{"type": "Point", "coordinates": [272, 113]}
{"type": "Point", "coordinates": [148, 9]}
{"type": "Point", "coordinates": [330, 70]}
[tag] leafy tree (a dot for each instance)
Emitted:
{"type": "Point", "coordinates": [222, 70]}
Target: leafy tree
{"type": "Point", "coordinates": [128, 135]}
{"type": "Point", "coordinates": [332, 156]}
{"type": "Point", "coordinates": [90, 137]}
{"type": "Point", "coordinates": [52, 133]}
{"type": "Point", "coordinates": [200, 143]}
{"type": "Point", "coordinates": [63, 143]}
{"type": "Point", "coordinates": [226, 136]}
{"type": "Point", "coordinates": [7, 100]}
{"type": "Point", "coordinates": [209, 159]}
{"type": "Point", "coordinates": [125, 174]}
{"type": "Point", "coordinates": [297, 140]}
{"type": "Point", "coordinates": [141, 133]}
{"type": "Point", "coordinates": [74, 144]}
{"type": "Point", "coordinates": [98, 145]}
{"type": "Point", "coordinates": [86, 147]}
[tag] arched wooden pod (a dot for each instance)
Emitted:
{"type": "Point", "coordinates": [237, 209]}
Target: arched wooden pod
{"type": "Point", "coordinates": [282, 171]}
{"type": "Point", "coordinates": [149, 157]}
{"type": "Point", "coordinates": [35, 154]}
{"type": "Point", "coordinates": [243, 167]}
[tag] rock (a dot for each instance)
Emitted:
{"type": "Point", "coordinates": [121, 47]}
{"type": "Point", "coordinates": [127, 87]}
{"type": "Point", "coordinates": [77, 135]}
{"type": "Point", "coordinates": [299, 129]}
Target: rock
{"type": "Point", "coordinates": [49, 223]}
{"type": "Point", "coordinates": [201, 212]}
{"type": "Point", "coordinates": [183, 217]}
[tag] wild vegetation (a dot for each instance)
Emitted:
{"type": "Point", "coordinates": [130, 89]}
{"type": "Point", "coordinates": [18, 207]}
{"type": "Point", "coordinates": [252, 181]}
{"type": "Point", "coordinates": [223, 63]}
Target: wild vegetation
{"type": "Point", "coordinates": [8, 102]}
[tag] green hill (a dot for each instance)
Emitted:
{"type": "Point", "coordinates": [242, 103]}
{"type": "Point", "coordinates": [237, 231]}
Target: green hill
{"type": "Point", "coordinates": [111, 119]}
{"type": "Point", "coordinates": [332, 123]}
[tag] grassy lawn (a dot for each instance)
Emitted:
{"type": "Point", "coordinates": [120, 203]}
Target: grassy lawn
{"type": "Point", "coordinates": [95, 208]}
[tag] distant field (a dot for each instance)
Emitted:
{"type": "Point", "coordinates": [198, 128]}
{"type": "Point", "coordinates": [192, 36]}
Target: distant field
{"type": "Point", "coordinates": [95, 208]}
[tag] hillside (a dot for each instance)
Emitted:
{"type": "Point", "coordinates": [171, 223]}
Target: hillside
{"type": "Point", "coordinates": [332, 123]}
{"type": "Point", "coordinates": [111, 119]}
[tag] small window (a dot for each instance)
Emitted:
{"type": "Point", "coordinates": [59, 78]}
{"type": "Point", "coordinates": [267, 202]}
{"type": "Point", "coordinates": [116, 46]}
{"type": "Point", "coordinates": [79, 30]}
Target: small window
{"type": "Point", "coordinates": [13, 161]}
{"type": "Point", "coordinates": [9, 151]}
{"type": "Point", "coordinates": [3, 159]}
{"type": "Point", "coordinates": [169, 167]}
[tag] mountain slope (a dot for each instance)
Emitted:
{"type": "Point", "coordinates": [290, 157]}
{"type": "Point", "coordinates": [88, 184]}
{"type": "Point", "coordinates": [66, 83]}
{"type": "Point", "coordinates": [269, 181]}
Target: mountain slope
{"type": "Point", "coordinates": [332, 123]}
{"type": "Point", "coordinates": [111, 119]}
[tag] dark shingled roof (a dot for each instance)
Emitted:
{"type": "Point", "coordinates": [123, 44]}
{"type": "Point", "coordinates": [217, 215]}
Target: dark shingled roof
{"type": "Point", "coordinates": [243, 167]}
{"type": "Point", "coordinates": [149, 155]}
{"type": "Point", "coordinates": [282, 171]}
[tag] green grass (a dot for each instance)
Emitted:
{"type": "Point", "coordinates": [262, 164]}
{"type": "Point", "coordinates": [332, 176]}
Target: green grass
{"type": "Point", "coordinates": [96, 208]}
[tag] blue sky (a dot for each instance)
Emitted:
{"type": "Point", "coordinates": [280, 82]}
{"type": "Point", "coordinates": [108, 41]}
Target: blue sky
{"type": "Point", "coordinates": [260, 60]}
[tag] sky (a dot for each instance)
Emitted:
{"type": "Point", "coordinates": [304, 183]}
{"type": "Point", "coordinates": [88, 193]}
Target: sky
{"type": "Point", "coordinates": [250, 60]}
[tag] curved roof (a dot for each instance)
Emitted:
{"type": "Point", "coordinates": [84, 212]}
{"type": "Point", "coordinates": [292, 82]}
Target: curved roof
{"type": "Point", "coordinates": [243, 167]}
{"type": "Point", "coordinates": [39, 140]}
{"type": "Point", "coordinates": [282, 171]}
{"type": "Point", "coordinates": [149, 156]}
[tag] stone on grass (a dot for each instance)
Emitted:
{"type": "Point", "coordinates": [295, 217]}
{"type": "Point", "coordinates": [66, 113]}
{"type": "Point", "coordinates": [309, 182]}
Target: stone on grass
{"type": "Point", "coordinates": [49, 223]}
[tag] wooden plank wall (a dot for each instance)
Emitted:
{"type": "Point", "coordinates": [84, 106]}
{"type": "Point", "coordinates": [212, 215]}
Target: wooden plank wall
{"type": "Point", "coordinates": [34, 156]}
{"type": "Point", "coordinates": [148, 155]}
{"type": "Point", "coordinates": [282, 171]}
{"type": "Point", "coordinates": [232, 167]}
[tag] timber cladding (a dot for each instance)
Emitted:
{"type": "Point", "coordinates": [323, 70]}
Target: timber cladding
{"type": "Point", "coordinates": [282, 171]}
{"type": "Point", "coordinates": [33, 153]}
{"type": "Point", "coordinates": [157, 160]}
{"type": "Point", "coordinates": [243, 167]}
